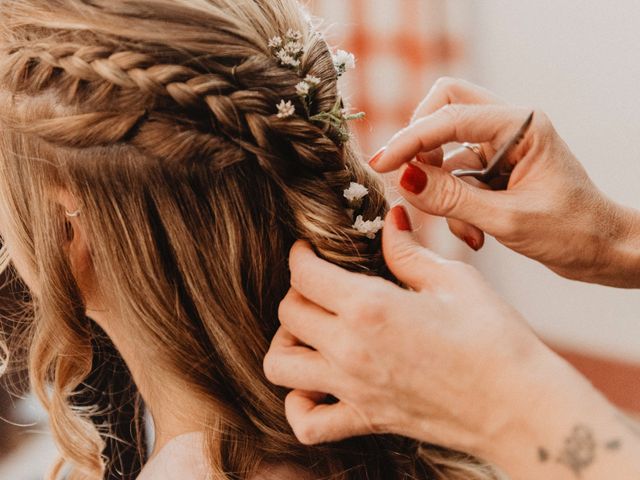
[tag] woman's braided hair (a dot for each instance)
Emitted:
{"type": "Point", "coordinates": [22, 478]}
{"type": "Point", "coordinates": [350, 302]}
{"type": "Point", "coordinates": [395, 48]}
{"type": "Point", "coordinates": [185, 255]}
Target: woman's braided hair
{"type": "Point", "coordinates": [160, 117]}
{"type": "Point", "coordinates": [211, 109]}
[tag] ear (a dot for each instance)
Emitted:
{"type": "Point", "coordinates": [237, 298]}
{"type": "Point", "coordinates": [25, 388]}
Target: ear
{"type": "Point", "coordinates": [77, 246]}
{"type": "Point", "coordinates": [69, 203]}
{"type": "Point", "coordinates": [71, 212]}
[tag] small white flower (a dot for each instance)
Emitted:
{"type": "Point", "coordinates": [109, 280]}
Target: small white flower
{"type": "Point", "coordinates": [368, 227]}
{"type": "Point", "coordinates": [311, 80]}
{"type": "Point", "coordinates": [294, 34]}
{"type": "Point", "coordinates": [344, 61]}
{"type": "Point", "coordinates": [285, 109]}
{"type": "Point", "coordinates": [275, 42]}
{"type": "Point", "coordinates": [302, 88]}
{"type": "Point", "coordinates": [355, 192]}
{"type": "Point", "coordinates": [286, 59]}
{"type": "Point", "coordinates": [288, 49]}
{"type": "Point", "coordinates": [294, 48]}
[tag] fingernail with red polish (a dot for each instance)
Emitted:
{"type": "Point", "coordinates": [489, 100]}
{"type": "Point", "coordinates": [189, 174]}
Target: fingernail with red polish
{"type": "Point", "coordinates": [377, 156]}
{"type": "Point", "coordinates": [472, 242]}
{"type": "Point", "coordinates": [413, 179]}
{"type": "Point", "coordinates": [401, 218]}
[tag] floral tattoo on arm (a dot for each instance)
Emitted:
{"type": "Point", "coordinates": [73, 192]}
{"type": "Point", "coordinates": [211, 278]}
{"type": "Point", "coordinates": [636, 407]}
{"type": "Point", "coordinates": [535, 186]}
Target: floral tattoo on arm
{"type": "Point", "coordinates": [579, 450]}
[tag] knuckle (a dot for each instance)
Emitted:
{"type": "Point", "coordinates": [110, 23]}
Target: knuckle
{"type": "Point", "coordinates": [341, 354]}
{"type": "Point", "coordinates": [445, 83]}
{"type": "Point", "coordinates": [299, 274]}
{"type": "Point", "coordinates": [284, 309]}
{"type": "Point", "coordinates": [355, 357]}
{"type": "Point", "coordinates": [352, 363]}
{"type": "Point", "coordinates": [404, 254]}
{"type": "Point", "coordinates": [451, 112]}
{"type": "Point", "coordinates": [448, 196]}
{"type": "Point", "coordinates": [270, 365]}
{"type": "Point", "coordinates": [509, 221]}
{"type": "Point", "coordinates": [542, 120]}
{"type": "Point", "coordinates": [307, 433]}
{"type": "Point", "coordinates": [367, 308]}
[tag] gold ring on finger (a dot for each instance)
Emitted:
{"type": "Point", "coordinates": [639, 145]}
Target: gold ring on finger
{"type": "Point", "coordinates": [477, 149]}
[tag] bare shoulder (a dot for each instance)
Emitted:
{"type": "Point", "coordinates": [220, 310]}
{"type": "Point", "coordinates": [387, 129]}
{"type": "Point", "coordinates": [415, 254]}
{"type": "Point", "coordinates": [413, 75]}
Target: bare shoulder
{"type": "Point", "coordinates": [283, 472]}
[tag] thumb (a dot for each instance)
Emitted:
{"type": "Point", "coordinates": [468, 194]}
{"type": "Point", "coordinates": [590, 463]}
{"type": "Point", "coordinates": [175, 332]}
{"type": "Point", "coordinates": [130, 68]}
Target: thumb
{"type": "Point", "coordinates": [437, 192]}
{"type": "Point", "coordinates": [410, 262]}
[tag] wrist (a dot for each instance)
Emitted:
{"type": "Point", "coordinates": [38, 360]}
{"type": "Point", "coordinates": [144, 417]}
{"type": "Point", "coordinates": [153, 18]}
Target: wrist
{"type": "Point", "coordinates": [617, 262]}
{"type": "Point", "coordinates": [546, 408]}
{"type": "Point", "coordinates": [532, 389]}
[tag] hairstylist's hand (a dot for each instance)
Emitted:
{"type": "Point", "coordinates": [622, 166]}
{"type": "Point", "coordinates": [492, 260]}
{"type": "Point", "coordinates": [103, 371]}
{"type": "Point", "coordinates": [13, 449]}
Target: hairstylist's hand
{"type": "Point", "coordinates": [551, 212]}
{"type": "Point", "coordinates": [448, 363]}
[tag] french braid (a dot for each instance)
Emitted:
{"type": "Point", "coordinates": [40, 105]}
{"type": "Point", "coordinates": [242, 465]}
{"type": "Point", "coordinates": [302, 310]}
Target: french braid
{"type": "Point", "coordinates": [228, 109]}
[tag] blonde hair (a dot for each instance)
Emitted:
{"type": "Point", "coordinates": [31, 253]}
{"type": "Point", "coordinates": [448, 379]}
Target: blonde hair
{"type": "Point", "coordinates": [159, 117]}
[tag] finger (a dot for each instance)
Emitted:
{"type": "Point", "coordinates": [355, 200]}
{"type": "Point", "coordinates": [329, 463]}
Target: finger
{"type": "Point", "coordinates": [307, 321]}
{"type": "Point", "coordinates": [434, 157]}
{"type": "Point", "coordinates": [324, 283]}
{"type": "Point", "coordinates": [447, 90]}
{"type": "Point", "coordinates": [284, 338]}
{"type": "Point", "coordinates": [437, 192]}
{"type": "Point", "coordinates": [452, 123]}
{"type": "Point", "coordinates": [410, 262]}
{"type": "Point", "coordinates": [314, 422]}
{"type": "Point", "coordinates": [469, 234]}
{"type": "Point", "coordinates": [298, 367]}
{"type": "Point", "coordinates": [465, 158]}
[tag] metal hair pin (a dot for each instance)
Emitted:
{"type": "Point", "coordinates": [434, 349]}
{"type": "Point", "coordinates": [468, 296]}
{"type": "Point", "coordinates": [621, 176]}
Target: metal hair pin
{"type": "Point", "coordinates": [499, 169]}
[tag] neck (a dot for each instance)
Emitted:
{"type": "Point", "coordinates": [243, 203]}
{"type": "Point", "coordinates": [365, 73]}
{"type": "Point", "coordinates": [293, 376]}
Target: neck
{"type": "Point", "coordinates": [173, 408]}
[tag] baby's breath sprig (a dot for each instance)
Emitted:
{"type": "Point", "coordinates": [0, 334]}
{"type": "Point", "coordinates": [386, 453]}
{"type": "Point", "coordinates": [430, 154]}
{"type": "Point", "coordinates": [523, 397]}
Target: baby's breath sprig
{"type": "Point", "coordinates": [288, 50]}
{"type": "Point", "coordinates": [368, 227]}
{"type": "Point", "coordinates": [285, 109]}
{"type": "Point", "coordinates": [305, 87]}
{"type": "Point", "coordinates": [343, 61]}
{"type": "Point", "coordinates": [355, 195]}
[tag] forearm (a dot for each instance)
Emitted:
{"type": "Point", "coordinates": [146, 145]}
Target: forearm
{"type": "Point", "coordinates": [565, 430]}
{"type": "Point", "coordinates": [617, 262]}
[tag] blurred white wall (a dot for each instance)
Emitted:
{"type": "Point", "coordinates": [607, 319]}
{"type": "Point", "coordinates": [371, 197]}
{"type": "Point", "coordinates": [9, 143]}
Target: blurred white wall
{"type": "Point", "coordinates": [579, 60]}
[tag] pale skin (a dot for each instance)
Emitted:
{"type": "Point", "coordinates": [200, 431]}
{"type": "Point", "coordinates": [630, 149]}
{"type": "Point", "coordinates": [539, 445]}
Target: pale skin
{"type": "Point", "coordinates": [448, 361]}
